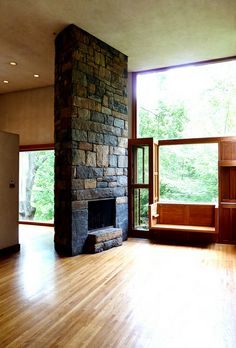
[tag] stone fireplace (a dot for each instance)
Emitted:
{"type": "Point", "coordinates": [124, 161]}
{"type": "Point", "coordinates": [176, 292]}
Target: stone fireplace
{"type": "Point", "coordinates": [91, 130]}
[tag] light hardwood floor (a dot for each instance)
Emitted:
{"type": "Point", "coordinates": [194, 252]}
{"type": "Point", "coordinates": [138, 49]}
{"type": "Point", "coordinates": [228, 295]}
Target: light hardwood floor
{"type": "Point", "coordinates": [139, 295]}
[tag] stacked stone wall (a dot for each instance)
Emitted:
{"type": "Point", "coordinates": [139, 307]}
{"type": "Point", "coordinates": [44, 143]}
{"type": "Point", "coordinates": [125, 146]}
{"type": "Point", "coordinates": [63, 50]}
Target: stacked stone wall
{"type": "Point", "coordinates": [91, 130]}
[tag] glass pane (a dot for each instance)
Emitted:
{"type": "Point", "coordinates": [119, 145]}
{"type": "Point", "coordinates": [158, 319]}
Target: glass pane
{"type": "Point", "coordinates": [189, 173]}
{"type": "Point", "coordinates": [141, 165]}
{"type": "Point", "coordinates": [186, 102]}
{"type": "Point", "coordinates": [141, 202]}
{"type": "Point", "coordinates": [36, 188]}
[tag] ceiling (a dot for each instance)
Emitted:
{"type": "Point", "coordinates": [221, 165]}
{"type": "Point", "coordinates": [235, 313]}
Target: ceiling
{"type": "Point", "coordinates": [153, 33]}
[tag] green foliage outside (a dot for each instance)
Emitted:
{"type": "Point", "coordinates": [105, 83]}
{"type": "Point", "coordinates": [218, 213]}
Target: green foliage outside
{"type": "Point", "coordinates": [36, 189]}
{"type": "Point", "coordinates": [187, 103]}
{"type": "Point", "coordinates": [189, 173]}
{"type": "Point", "coordinates": [43, 188]}
{"type": "Point", "coordinates": [167, 122]}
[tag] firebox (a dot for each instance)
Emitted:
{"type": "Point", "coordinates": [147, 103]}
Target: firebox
{"type": "Point", "coordinates": [101, 213]}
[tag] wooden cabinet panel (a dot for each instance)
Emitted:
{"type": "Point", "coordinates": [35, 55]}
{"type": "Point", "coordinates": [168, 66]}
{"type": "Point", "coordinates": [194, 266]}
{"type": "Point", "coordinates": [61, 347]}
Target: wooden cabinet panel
{"type": "Point", "coordinates": [186, 214]}
{"type": "Point", "coordinates": [228, 224]}
{"type": "Point", "coordinates": [202, 215]}
{"type": "Point", "coordinates": [227, 185]}
{"type": "Point", "coordinates": [174, 214]}
{"type": "Point", "coordinates": [227, 150]}
{"type": "Point", "coordinates": [232, 183]}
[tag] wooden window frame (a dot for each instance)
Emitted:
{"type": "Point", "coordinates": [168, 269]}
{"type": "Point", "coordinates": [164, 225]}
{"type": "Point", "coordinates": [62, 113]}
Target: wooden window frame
{"type": "Point", "coordinates": [226, 162]}
{"type": "Point", "coordinates": [36, 147]}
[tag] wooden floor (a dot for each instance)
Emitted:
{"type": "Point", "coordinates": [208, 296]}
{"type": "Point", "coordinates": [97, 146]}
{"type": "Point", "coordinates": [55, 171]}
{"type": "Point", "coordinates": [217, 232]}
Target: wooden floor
{"type": "Point", "coordinates": [138, 295]}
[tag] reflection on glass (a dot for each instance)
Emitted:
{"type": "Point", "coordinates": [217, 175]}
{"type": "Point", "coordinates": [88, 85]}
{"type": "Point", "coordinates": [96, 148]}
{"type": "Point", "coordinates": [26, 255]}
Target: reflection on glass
{"type": "Point", "coordinates": [141, 157]}
{"type": "Point", "coordinates": [141, 202]}
{"type": "Point", "coordinates": [36, 187]}
{"type": "Point", "coordinates": [189, 173]}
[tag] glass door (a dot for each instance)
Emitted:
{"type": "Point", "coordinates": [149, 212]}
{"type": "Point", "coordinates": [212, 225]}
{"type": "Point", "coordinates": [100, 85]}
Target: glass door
{"type": "Point", "coordinates": [143, 172]}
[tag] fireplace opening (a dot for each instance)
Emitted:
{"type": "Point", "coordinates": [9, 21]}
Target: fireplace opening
{"type": "Point", "coordinates": [101, 213]}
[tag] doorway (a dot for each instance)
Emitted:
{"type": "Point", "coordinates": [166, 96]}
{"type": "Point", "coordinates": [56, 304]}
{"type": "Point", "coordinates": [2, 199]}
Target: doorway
{"type": "Point", "coordinates": [36, 186]}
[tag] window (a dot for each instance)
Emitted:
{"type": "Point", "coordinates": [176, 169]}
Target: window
{"type": "Point", "coordinates": [36, 187]}
{"type": "Point", "coordinates": [187, 102]}
{"type": "Point", "coordinates": [189, 173]}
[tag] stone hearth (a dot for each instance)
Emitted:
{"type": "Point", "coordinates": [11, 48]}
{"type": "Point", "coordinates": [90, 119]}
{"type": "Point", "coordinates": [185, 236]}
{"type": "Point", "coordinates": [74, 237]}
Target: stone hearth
{"type": "Point", "coordinates": [91, 130]}
{"type": "Point", "coordinates": [103, 239]}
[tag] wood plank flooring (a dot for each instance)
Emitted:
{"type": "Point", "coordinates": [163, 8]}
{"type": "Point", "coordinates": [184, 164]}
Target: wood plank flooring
{"type": "Point", "coordinates": [139, 295]}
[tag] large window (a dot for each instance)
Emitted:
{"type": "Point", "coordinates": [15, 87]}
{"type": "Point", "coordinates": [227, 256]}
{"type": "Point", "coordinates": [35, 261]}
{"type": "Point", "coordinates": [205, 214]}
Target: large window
{"type": "Point", "coordinates": [194, 101]}
{"type": "Point", "coordinates": [187, 102]}
{"type": "Point", "coordinates": [36, 188]}
{"type": "Point", "coordinates": [189, 173]}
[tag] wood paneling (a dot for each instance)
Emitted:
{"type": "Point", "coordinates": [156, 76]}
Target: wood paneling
{"type": "Point", "coordinates": [186, 214]}
{"type": "Point", "coordinates": [227, 163]}
{"type": "Point", "coordinates": [227, 189]}
{"type": "Point", "coordinates": [37, 147]}
{"type": "Point", "coordinates": [184, 228]}
{"type": "Point", "coordinates": [228, 223]}
{"type": "Point", "coordinates": [227, 150]}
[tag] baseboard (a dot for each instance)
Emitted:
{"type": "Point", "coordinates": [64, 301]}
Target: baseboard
{"type": "Point", "coordinates": [10, 250]}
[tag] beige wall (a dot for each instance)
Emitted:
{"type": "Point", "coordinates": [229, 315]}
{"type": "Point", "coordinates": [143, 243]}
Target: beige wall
{"type": "Point", "coordinates": [9, 173]}
{"type": "Point", "coordinates": [30, 114]}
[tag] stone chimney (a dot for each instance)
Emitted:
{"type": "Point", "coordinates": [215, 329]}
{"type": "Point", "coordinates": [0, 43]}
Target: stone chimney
{"type": "Point", "coordinates": [91, 130]}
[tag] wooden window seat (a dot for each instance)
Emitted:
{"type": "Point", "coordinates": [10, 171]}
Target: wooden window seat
{"type": "Point", "coordinates": [185, 217]}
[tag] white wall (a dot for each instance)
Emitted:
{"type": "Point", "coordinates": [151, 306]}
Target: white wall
{"type": "Point", "coordinates": [30, 114]}
{"type": "Point", "coordinates": [9, 173]}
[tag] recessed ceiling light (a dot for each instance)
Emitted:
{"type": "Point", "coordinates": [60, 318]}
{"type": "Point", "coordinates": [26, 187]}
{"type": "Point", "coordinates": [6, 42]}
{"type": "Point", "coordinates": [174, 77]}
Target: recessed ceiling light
{"type": "Point", "coordinates": [5, 81]}
{"type": "Point", "coordinates": [36, 75]}
{"type": "Point", "coordinates": [13, 63]}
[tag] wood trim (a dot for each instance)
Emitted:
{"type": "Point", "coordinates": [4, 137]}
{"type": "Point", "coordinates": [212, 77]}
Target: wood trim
{"type": "Point", "coordinates": [37, 147]}
{"type": "Point", "coordinates": [134, 106]}
{"type": "Point", "coordinates": [142, 141]}
{"type": "Point", "coordinates": [152, 214]}
{"type": "Point", "coordinates": [195, 141]}
{"type": "Point", "coordinates": [187, 203]}
{"type": "Point", "coordinates": [156, 184]}
{"type": "Point", "coordinates": [184, 228]}
{"type": "Point", "coordinates": [130, 190]}
{"type": "Point", "coordinates": [228, 200]}
{"type": "Point", "coordinates": [227, 163]}
{"type": "Point", "coordinates": [228, 205]}
{"type": "Point", "coordinates": [227, 189]}
{"type": "Point", "coordinates": [36, 223]}
{"type": "Point", "coordinates": [151, 176]}
{"type": "Point", "coordinates": [217, 220]}
{"type": "Point", "coordinates": [141, 186]}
